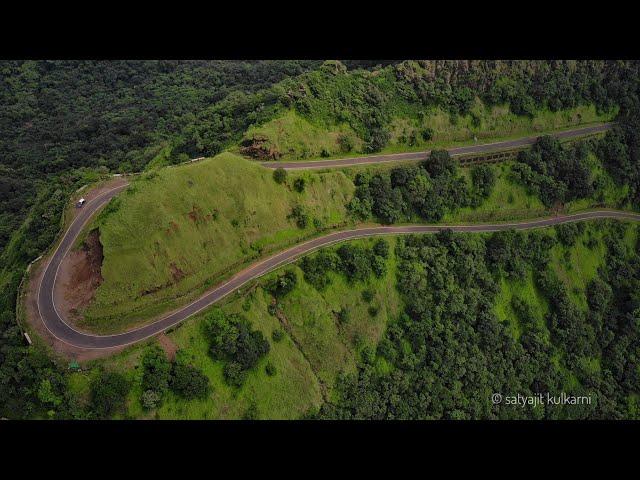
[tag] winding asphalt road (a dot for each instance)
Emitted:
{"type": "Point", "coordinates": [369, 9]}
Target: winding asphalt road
{"type": "Point", "coordinates": [57, 326]}
{"type": "Point", "coordinates": [454, 152]}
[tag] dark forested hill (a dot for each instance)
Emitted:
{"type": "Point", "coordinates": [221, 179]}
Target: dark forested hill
{"type": "Point", "coordinates": [59, 115]}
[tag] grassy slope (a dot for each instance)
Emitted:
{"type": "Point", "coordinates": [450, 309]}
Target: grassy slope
{"type": "Point", "coordinates": [202, 219]}
{"type": "Point", "coordinates": [508, 201]}
{"type": "Point", "coordinates": [329, 346]}
{"type": "Point", "coordinates": [610, 194]}
{"type": "Point", "coordinates": [289, 394]}
{"type": "Point", "coordinates": [314, 350]}
{"type": "Point", "coordinates": [491, 123]}
{"type": "Point", "coordinates": [298, 138]}
{"type": "Point", "coordinates": [575, 266]}
{"type": "Point", "coordinates": [527, 291]}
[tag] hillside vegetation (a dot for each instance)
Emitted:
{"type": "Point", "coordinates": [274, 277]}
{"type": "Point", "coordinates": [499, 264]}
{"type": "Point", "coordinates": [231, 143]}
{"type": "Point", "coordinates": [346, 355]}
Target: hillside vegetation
{"type": "Point", "coordinates": [504, 313]}
{"type": "Point", "coordinates": [350, 341]}
{"type": "Point", "coordinates": [314, 334]}
{"type": "Point", "coordinates": [126, 116]}
{"type": "Point", "coordinates": [415, 104]}
{"type": "Point", "coordinates": [294, 137]}
{"type": "Point", "coordinates": [176, 231]}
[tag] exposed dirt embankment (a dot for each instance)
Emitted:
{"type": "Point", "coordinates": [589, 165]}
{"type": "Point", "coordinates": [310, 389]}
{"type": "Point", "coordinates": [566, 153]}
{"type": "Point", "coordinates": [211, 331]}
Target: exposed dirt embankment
{"type": "Point", "coordinates": [79, 276]}
{"type": "Point", "coordinates": [259, 148]}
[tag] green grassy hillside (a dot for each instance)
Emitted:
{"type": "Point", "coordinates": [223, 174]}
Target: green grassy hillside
{"type": "Point", "coordinates": [291, 136]}
{"type": "Point", "coordinates": [176, 230]}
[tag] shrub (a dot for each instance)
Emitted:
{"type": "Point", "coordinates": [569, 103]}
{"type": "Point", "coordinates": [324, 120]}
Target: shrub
{"type": "Point", "coordinates": [367, 295]}
{"type": "Point", "coordinates": [232, 340]}
{"type": "Point", "coordinates": [344, 316]}
{"type": "Point", "coordinates": [378, 139]}
{"type": "Point", "coordinates": [381, 248]}
{"type": "Point", "coordinates": [156, 370]}
{"type": "Point", "coordinates": [568, 232]}
{"type": "Point", "coordinates": [252, 412]}
{"type": "Point", "coordinates": [316, 268]}
{"type": "Point", "coordinates": [379, 266]}
{"type": "Point", "coordinates": [234, 374]}
{"type": "Point", "coordinates": [151, 399]}
{"type": "Point", "coordinates": [277, 335]}
{"type": "Point", "coordinates": [440, 163]}
{"type": "Point", "coordinates": [246, 305]}
{"type": "Point", "coordinates": [270, 369]}
{"type": "Point", "coordinates": [360, 208]}
{"type": "Point", "coordinates": [299, 184]}
{"type": "Point", "coordinates": [483, 178]}
{"type": "Point", "coordinates": [108, 393]}
{"type": "Point", "coordinates": [282, 284]}
{"type": "Point", "coordinates": [591, 242]}
{"type": "Point", "coordinates": [368, 355]}
{"type": "Point", "coordinates": [599, 295]}
{"type": "Point", "coordinates": [299, 215]}
{"type": "Point", "coordinates": [280, 175]}
{"type": "Point", "coordinates": [355, 262]}
{"type": "Point", "coordinates": [189, 382]}
{"type": "Point", "coordinates": [346, 142]}
{"type": "Point", "coordinates": [427, 134]}
{"type": "Point", "coordinates": [523, 310]}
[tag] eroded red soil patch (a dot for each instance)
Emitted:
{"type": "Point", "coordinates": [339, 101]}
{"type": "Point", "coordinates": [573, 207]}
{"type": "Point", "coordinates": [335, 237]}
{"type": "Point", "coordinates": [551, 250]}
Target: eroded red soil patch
{"type": "Point", "coordinates": [196, 215]}
{"type": "Point", "coordinates": [79, 277]}
{"type": "Point", "coordinates": [168, 346]}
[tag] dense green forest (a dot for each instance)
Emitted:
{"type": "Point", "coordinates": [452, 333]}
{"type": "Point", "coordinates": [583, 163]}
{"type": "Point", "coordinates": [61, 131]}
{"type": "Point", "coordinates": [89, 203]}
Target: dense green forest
{"type": "Point", "coordinates": [554, 173]}
{"type": "Point", "coordinates": [58, 116]}
{"type": "Point", "coordinates": [64, 124]}
{"type": "Point", "coordinates": [448, 352]}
